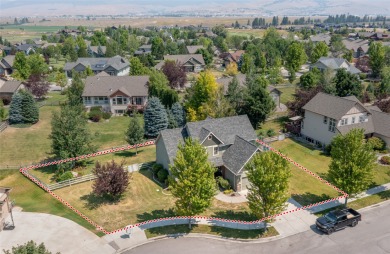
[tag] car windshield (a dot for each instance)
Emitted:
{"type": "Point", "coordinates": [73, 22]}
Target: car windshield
{"type": "Point", "coordinates": [330, 217]}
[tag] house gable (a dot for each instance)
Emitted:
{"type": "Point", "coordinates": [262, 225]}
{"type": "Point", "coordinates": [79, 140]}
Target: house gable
{"type": "Point", "coordinates": [119, 92]}
{"type": "Point", "coordinates": [211, 140]}
{"type": "Point", "coordinates": [356, 110]}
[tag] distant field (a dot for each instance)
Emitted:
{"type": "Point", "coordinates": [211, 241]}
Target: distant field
{"type": "Point", "coordinates": [16, 33]}
{"type": "Point", "coordinates": [257, 33]}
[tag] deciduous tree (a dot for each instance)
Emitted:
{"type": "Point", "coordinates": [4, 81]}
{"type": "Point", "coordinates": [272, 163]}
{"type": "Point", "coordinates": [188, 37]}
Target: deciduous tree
{"type": "Point", "coordinates": [158, 48]}
{"type": "Point", "coordinates": [320, 49]}
{"type": "Point", "coordinates": [268, 175]}
{"type": "Point", "coordinates": [75, 91]}
{"type": "Point", "coordinates": [21, 67]}
{"type": "Point", "coordinates": [159, 87]}
{"type": "Point", "coordinates": [135, 132]}
{"type": "Point", "coordinates": [295, 57]}
{"type": "Point", "coordinates": [37, 85]}
{"type": "Point", "coordinates": [377, 57]}
{"type": "Point", "coordinates": [112, 179]}
{"type": "Point", "coordinates": [175, 74]}
{"type": "Point", "coordinates": [352, 162]}
{"type": "Point", "coordinates": [231, 69]}
{"type": "Point", "coordinates": [192, 179]}
{"type": "Point", "coordinates": [137, 68]}
{"type": "Point", "coordinates": [347, 84]}
{"type": "Point", "coordinates": [29, 248]}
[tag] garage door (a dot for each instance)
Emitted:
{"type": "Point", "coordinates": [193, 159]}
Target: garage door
{"type": "Point", "coordinates": [244, 183]}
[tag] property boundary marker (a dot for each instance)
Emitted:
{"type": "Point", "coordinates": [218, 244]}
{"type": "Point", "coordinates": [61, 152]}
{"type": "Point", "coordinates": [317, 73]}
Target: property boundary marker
{"type": "Point", "coordinates": [173, 221]}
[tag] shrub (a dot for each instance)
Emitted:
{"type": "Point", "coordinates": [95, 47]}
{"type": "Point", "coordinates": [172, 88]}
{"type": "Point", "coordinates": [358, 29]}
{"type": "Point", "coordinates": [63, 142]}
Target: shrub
{"type": "Point", "coordinates": [156, 168]}
{"type": "Point", "coordinates": [362, 76]}
{"type": "Point", "coordinates": [106, 115]}
{"type": "Point", "coordinates": [271, 133]}
{"type": "Point", "coordinates": [96, 108]}
{"type": "Point", "coordinates": [223, 183]}
{"type": "Point", "coordinates": [228, 192]}
{"type": "Point", "coordinates": [95, 116]}
{"type": "Point", "coordinates": [162, 175]}
{"type": "Point", "coordinates": [327, 149]}
{"type": "Point", "coordinates": [65, 176]}
{"type": "Point", "coordinates": [377, 143]}
{"type": "Point", "coordinates": [385, 160]}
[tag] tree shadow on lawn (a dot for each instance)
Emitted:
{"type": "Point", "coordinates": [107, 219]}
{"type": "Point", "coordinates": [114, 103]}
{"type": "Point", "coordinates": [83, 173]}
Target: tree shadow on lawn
{"type": "Point", "coordinates": [129, 153]}
{"type": "Point", "coordinates": [309, 198]}
{"type": "Point", "coordinates": [92, 201]}
{"type": "Point", "coordinates": [234, 215]}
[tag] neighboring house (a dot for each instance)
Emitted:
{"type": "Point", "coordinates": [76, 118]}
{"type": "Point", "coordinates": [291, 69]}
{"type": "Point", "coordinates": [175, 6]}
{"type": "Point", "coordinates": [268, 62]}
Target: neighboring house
{"type": "Point", "coordinates": [334, 64]}
{"type": "Point", "coordinates": [5, 50]}
{"type": "Point", "coordinates": [115, 66]}
{"type": "Point", "coordinates": [116, 94]}
{"type": "Point", "coordinates": [27, 48]}
{"type": "Point", "coordinates": [96, 51]}
{"type": "Point", "coordinates": [193, 49]}
{"type": "Point", "coordinates": [230, 57]}
{"type": "Point", "coordinates": [8, 88]}
{"type": "Point", "coordinates": [327, 115]}
{"type": "Point", "coordinates": [321, 37]}
{"type": "Point", "coordinates": [6, 64]}
{"type": "Point", "coordinates": [210, 34]}
{"type": "Point", "coordinates": [191, 62]}
{"type": "Point", "coordinates": [229, 142]}
{"type": "Point", "coordinates": [143, 50]}
{"type": "Point", "coordinates": [373, 35]}
{"type": "Point", "coordinates": [5, 206]}
{"type": "Point", "coordinates": [359, 47]}
{"type": "Point", "coordinates": [48, 44]}
{"type": "Point", "coordinates": [273, 91]}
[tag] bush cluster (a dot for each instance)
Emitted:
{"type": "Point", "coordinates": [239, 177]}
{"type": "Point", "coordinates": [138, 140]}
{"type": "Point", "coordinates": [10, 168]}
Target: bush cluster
{"type": "Point", "coordinates": [385, 160]}
{"type": "Point", "coordinates": [377, 143]}
{"type": "Point", "coordinates": [160, 172]}
{"type": "Point", "coordinates": [65, 176]}
{"type": "Point", "coordinates": [96, 114]}
{"type": "Point", "coordinates": [223, 183]}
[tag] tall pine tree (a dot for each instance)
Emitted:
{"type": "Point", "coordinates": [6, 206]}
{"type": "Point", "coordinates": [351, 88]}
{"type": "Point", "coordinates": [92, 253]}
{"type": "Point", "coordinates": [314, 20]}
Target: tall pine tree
{"type": "Point", "coordinates": [155, 117]}
{"type": "Point", "coordinates": [30, 111]}
{"type": "Point", "coordinates": [15, 109]}
{"type": "Point", "coordinates": [178, 114]}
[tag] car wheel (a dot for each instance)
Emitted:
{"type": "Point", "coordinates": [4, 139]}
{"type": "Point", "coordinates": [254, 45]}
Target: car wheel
{"type": "Point", "coordinates": [330, 231]}
{"type": "Point", "coordinates": [354, 223]}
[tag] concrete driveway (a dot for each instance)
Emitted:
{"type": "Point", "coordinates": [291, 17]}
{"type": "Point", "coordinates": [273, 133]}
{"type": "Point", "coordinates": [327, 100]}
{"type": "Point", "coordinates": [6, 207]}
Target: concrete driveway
{"type": "Point", "coordinates": [57, 233]}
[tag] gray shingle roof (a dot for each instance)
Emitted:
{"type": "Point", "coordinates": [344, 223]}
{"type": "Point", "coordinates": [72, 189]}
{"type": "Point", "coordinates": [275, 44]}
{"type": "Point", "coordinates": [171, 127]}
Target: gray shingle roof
{"type": "Point", "coordinates": [367, 126]}
{"type": "Point", "coordinates": [330, 106]}
{"type": "Point", "coordinates": [193, 49]}
{"type": "Point", "coordinates": [8, 61]}
{"type": "Point", "coordinates": [105, 86]}
{"type": "Point", "coordinates": [381, 122]}
{"type": "Point", "coordinates": [238, 154]}
{"type": "Point", "coordinates": [181, 59]}
{"type": "Point", "coordinates": [225, 129]}
{"type": "Point", "coordinates": [99, 63]}
{"type": "Point", "coordinates": [335, 63]}
{"type": "Point", "coordinates": [10, 86]}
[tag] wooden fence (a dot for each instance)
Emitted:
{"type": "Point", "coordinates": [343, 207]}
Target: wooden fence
{"type": "Point", "coordinates": [71, 182]}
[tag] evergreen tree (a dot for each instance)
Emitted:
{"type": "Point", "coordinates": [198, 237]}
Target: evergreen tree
{"type": "Point", "coordinates": [268, 174]}
{"type": "Point", "coordinates": [234, 93]}
{"type": "Point", "coordinates": [2, 110]}
{"type": "Point", "coordinates": [347, 84]}
{"type": "Point", "coordinates": [353, 160]}
{"type": "Point", "coordinates": [192, 179]}
{"type": "Point", "coordinates": [30, 111]}
{"type": "Point", "coordinates": [75, 91]}
{"type": "Point", "coordinates": [155, 117]}
{"type": "Point", "coordinates": [135, 132]}
{"type": "Point", "coordinates": [15, 109]}
{"type": "Point", "coordinates": [70, 135]}
{"type": "Point", "coordinates": [172, 124]}
{"type": "Point", "coordinates": [178, 114]}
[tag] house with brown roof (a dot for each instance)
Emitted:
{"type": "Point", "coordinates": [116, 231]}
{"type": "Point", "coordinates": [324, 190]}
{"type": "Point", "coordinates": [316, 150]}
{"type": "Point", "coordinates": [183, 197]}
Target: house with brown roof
{"type": "Point", "coordinates": [229, 142]}
{"type": "Point", "coordinates": [8, 88]}
{"type": "Point", "coordinates": [190, 62]}
{"type": "Point", "coordinates": [327, 115]}
{"type": "Point", "coordinates": [230, 57]}
{"type": "Point", "coordinates": [359, 47]}
{"type": "Point", "coordinates": [116, 94]}
{"type": "Point", "coordinates": [6, 64]}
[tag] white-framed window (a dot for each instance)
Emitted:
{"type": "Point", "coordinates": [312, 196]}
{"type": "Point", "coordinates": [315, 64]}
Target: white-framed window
{"type": "Point", "coordinates": [362, 118]}
{"type": "Point", "coordinates": [215, 150]}
{"type": "Point", "coordinates": [344, 121]}
{"type": "Point", "coordinates": [119, 111]}
{"type": "Point", "coordinates": [332, 125]}
{"type": "Point", "coordinates": [100, 100]}
{"type": "Point", "coordinates": [87, 100]}
{"type": "Point", "coordinates": [325, 119]}
{"type": "Point", "coordinates": [353, 120]}
{"type": "Point", "coordinates": [119, 100]}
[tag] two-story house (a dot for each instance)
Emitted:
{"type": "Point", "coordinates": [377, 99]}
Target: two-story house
{"type": "Point", "coordinates": [116, 94]}
{"type": "Point", "coordinates": [6, 64]}
{"type": "Point", "coordinates": [229, 142]}
{"type": "Point", "coordinates": [190, 62]}
{"type": "Point", "coordinates": [327, 115]}
{"type": "Point", "coordinates": [114, 66]}
{"type": "Point", "coordinates": [143, 50]}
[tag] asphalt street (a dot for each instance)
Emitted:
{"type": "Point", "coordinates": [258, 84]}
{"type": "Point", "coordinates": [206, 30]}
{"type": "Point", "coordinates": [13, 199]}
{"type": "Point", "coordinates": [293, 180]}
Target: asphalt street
{"type": "Point", "coordinates": [372, 235]}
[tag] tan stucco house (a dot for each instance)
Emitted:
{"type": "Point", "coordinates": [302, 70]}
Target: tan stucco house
{"type": "Point", "coordinates": [229, 141]}
{"type": "Point", "coordinates": [116, 94]}
{"type": "Point", "coordinates": [327, 115]}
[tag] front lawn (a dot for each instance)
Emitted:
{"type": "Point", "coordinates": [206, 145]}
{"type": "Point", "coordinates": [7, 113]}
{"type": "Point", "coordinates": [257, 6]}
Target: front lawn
{"type": "Point", "coordinates": [287, 93]}
{"type": "Point", "coordinates": [145, 154]}
{"type": "Point", "coordinates": [33, 199]}
{"type": "Point", "coordinates": [211, 230]}
{"type": "Point", "coordinates": [317, 162]}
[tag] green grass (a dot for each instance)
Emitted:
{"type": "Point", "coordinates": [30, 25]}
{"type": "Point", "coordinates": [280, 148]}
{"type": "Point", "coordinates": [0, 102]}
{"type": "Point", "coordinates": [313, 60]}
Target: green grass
{"type": "Point", "coordinates": [146, 154]}
{"type": "Point", "coordinates": [33, 199]}
{"type": "Point", "coordinates": [34, 28]}
{"type": "Point", "coordinates": [57, 64]}
{"type": "Point", "coordinates": [287, 93]}
{"type": "Point", "coordinates": [275, 124]}
{"type": "Point", "coordinates": [211, 230]}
